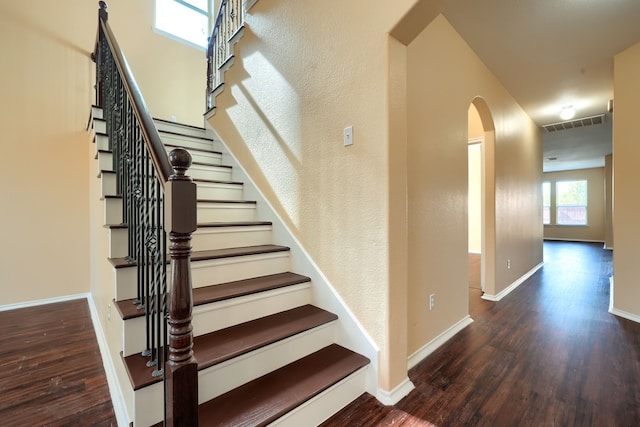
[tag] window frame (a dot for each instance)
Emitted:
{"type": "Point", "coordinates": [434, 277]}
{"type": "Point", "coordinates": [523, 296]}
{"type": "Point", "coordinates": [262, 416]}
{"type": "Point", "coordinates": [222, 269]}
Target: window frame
{"type": "Point", "coordinates": [559, 205]}
{"type": "Point", "coordinates": [546, 184]}
{"type": "Point", "coordinates": [193, 9]}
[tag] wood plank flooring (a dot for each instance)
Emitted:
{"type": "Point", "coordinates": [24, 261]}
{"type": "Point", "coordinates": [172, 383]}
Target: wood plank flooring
{"type": "Point", "coordinates": [51, 371]}
{"type": "Point", "coordinates": [548, 354]}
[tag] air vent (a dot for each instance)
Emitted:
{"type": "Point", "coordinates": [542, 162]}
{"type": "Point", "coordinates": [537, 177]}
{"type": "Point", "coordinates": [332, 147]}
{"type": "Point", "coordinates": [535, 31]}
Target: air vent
{"type": "Point", "coordinates": [576, 123]}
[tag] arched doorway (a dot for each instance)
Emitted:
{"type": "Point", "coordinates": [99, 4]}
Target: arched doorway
{"type": "Point", "coordinates": [481, 161]}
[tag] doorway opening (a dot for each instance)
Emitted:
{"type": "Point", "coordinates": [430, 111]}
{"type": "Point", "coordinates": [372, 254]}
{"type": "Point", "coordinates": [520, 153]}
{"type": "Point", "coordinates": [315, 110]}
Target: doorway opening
{"type": "Point", "coordinates": [481, 198]}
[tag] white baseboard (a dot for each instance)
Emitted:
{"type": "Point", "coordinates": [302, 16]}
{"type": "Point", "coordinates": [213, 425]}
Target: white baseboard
{"type": "Point", "coordinates": [119, 406]}
{"type": "Point", "coordinates": [625, 315]}
{"type": "Point", "coordinates": [617, 311]}
{"type": "Point", "coordinates": [512, 286]}
{"type": "Point", "coordinates": [433, 345]}
{"type": "Point", "coordinates": [42, 302]}
{"type": "Point", "coordinates": [394, 396]}
{"type": "Point", "coordinates": [611, 289]}
{"type": "Point", "coordinates": [560, 239]}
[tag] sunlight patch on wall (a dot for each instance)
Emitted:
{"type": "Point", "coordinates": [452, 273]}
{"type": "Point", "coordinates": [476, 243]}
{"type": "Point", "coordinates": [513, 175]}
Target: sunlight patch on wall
{"type": "Point", "coordinates": [267, 117]}
{"type": "Point", "coordinates": [278, 103]}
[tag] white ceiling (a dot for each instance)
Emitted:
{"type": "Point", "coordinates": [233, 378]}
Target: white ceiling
{"type": "Point", "coordinates": [553, 53]}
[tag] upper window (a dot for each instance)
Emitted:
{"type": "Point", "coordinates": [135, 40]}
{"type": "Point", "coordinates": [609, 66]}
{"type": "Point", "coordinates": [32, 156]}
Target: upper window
{"type": "Point", "coordinates": [187, 20]}
{"type": "Point", "coordinates": [546, 203]}
{"type": "Point", "coordinates": [571, 202]}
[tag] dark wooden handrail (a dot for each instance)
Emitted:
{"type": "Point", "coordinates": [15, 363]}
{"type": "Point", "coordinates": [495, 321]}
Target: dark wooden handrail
{"type": "Point", "coordinates": [149, 130]}
{"type": "Point", "coordinates": [158, 199]}
{"type": "Point", "coordinates": [229, 21]}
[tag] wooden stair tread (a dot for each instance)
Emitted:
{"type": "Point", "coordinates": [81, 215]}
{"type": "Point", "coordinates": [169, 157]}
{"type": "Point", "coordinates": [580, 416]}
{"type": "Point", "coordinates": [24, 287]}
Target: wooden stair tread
{"type": "Point", "coordinates": [231, 202]}
{"type": "Point", "coordinates": [210, 165]}
{"type": "Point", "coordinates": [234, 224]}
{"type": "Point", "coordinates": [219, 346]}
{"type": "Point", "coordinates": [213, 293]}
{"type": "Point", "coordinates": [210, 224]}
{"type": "Point", "coordinates": [214, 254]}
{"type": "Point", "coordinates": [212, 151]}
{"type": "Point", "coordinates": [267, 398]}
{"type": "Point", "coordinates": [156, 119]}
{"type": "Point", "coordinates": [202, 138]}
{"type": "Point", "coordinates": [241, 251]}
{"type": "Point", "coordinates": [196, 180]}
{"type": "Point", "coordinates": [215, 181]}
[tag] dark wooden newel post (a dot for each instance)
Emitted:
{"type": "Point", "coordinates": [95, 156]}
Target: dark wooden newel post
{"type": "Point", "coordinates": [181, 370]}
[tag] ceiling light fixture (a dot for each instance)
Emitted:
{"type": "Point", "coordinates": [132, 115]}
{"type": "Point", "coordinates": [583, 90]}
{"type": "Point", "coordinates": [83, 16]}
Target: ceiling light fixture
{"type": "Point", "coordinates": [567, 112]}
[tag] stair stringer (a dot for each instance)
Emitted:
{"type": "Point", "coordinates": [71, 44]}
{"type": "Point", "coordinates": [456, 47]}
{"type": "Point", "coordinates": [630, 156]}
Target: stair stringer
{"type": "Point", "coordinates": [349, 331]}
{"type": "Point", "coordinates": [102, 289]}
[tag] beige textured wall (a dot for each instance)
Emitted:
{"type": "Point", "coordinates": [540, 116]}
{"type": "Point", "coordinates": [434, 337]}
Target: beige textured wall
{"type": "Point", "coordinates": [595, 230]}
{"type": "Point", "coordinates": [475, 123]}
{"type": "Point", "coordinates": [626, 158]}
{"type": "Point", "coordinates": [46, 86]}
{"type": "Point", "coordinates": [608, 201]}
{"type": "Point", "coordinates": [303, 72]}
{"type": "Point", "coordinates": [444, 76]}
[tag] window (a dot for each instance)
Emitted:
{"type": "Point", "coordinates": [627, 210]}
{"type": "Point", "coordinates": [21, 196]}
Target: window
{"type": "Point", "coordinates": [571, 202]}
{"type": "Point", "coordinates": [187, 20]}
{"type": "Point", "coordinates": [546, 203]}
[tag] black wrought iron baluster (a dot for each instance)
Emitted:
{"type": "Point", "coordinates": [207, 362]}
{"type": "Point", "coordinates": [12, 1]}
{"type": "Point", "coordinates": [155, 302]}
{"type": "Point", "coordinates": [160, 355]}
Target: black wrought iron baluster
{"type": "Point", "coordinates": [136, 230]}
{"type": "Point", "coordinates": [165, 287]}
{"type": "Point", "coordinates": [129, 195]}
{"type": "Point", "coordinates": [143, 264]}
{"type": "Point", "coordinates": [158, 263]}
{"type": "Point", "coordinates": [151, 267]}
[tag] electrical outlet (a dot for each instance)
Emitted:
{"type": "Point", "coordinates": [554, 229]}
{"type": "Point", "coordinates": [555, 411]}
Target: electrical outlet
{"type": "Point", "coordinates": [432, 301]}
{"type": "Point", "coordinates": [109, 312]}
{"type": "Point", "coordinates": [508, 264]}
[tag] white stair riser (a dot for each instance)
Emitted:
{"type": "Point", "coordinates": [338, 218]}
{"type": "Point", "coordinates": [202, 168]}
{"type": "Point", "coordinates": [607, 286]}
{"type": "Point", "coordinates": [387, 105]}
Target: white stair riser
{"type": "Point", "coordinates": [178, 128]}
{"type": "Point", "coordinates": [118, 245]}
{"type": "Point", "coordinates": [186, 142]}
{"type": "Point", "coordinates": [207, 238]}
{"type": "Point", "coordinates": [228, 375]}
{"type": "Point", "coordinates": [125, 283]}
{"type": "Point", "coordinates": [321, 407]}
{"type": "Point", "coordinates": [207, 212]}
{"type": "Point", "coordinates": [99, 126]}
{"type": "Point", "coordinates": [226, 212]}
{"type": "Point", "coordinates": [211, 272]}
{"type": "Point", "coordinates": [201, 156]}
{"type": "Point", "coordinates": [219, 191]}
{"type": "Point", "coordinates": [222, 314]}
{"type": "Point", "coordinates": [96, 112]}
{"type": "Point", "coordinates": [108, 184]}
{"type": "Point", "coordinates": [113, 210]}
{"type": "Point", "coordinates": [101, 141]}
{"type": "Point", "coordinates": [203, 239]}
{"type": "Point", "coordinates": [105, 161]}
{"type": "Point", "coordinates": [215, 173]}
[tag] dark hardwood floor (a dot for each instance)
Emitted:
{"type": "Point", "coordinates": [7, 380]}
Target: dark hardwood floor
{"type": "Point", "coordinates": [51, 371]}
{"type": "Point", "coordinates": [548, 354]}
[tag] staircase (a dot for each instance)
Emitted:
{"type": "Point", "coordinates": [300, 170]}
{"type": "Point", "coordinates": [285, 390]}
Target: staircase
{"type": "Point", "coordinates": [266, 354]}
